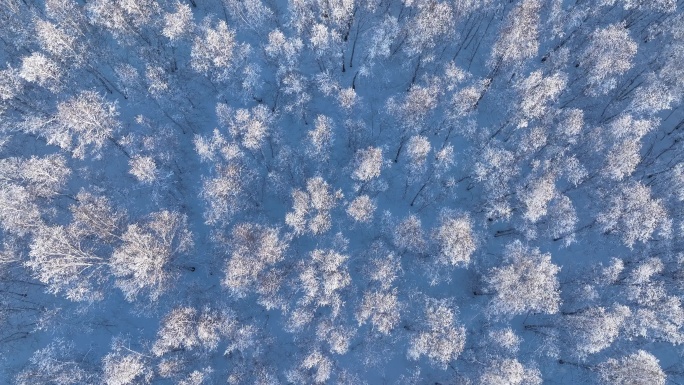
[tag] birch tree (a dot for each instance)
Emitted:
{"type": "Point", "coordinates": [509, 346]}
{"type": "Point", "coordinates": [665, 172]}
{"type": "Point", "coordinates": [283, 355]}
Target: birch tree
{"type": "Point", "coordinates": [526, 282]}
{"type": "Point", "coordinates": [147, 263]}
{"type": "Point", "coordinates": [84, 124]}
{"type": "Point", "coordinates": [634, 215]}
{"type": "Point", "coordinates": [439, 338]}
{"type": "Point", "coordinates": [61, 258]}
{"type": "Point", "coordinates": [609, 54]}
{"type": "Point", "coordinates": [639, 368]}
{"type": "Point", "coordinates": [255, 251]}
{"type": "Point", "coordinates": [455, 238]}
{"type": "Point", "coordinates": [519, 37]}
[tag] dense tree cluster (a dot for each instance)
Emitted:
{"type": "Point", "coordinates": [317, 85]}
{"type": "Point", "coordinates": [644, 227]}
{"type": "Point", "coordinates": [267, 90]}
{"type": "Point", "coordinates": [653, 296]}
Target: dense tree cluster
{"type": "Point", "coordinates": [341, 191]}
